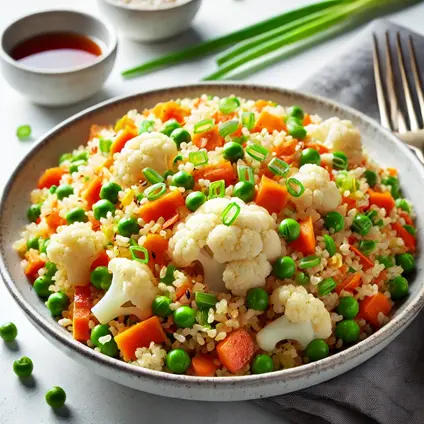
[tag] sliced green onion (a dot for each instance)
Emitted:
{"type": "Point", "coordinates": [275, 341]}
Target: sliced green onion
{"type": "Point", "coordinates": [216, 189]}
{"type": "Point", "coordinates": [279, 167]}
{"type": "Point", "coordinates": [248, 120]}
{"type": "Point", "coordinates": [230, 213]}
{"type": "Point", "coordinates": [169, 278]}
{"type": "Point", "coordinates": [371, 215]}
{"type": "Point", "coordinates": [143, 250]}
{"type": "Point", "coordinates": [177, 159]}
{"type": "Point", "coordinates": [198, 158]}
{"type": "Point", "coordinates": [330, 245]}
{"type": "Point", "coordinates": [240, 140]}
{"type": "Point", "coordinates": [345, 181]}
{"type": "Point", "coordinates": [309, 262]}
{"type": "Point", "coordinates": [411, 230]}
{"type": "Point", "coordinates": [202, 317]}
{"type": "Point", "coordinates": [23, 132]}
{"type": "Point", "coordinates": [203, 126]}
{"type": "Point", "coordinates": [228, 127]}
{"type": "Point", "coordinates": [104, 145]}
{"type": "Point", "coordinates": [245, 173]}
{"type": "Point", "coordinates": [339, 160]}
{"type": "Point", "coordinates": [257, 152]}
{"type": "Point", "coordinates": [168, 173]}
{"type": "Point", "coordinates": [152, 176]}
{"type": "Point", "coordinates": [205, 300]}
{"type": "Point", "coordinates": [326, 286]}
{"type": "Point", "coordinates": [146, 126]}
{"type": "Point", "coordinates": [295, 187]}
{"type": "Point", "coordinates": [302, 278]}
{"type": "Point", "coordinates": [229, 104]}
{"type": "Point", "coordinates": [155, 191]}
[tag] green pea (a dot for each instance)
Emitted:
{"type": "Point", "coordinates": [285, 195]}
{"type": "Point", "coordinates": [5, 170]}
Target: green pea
{"type": "Point", "coordinates": [284, 267]}
{"type": "Point", "coordinates": [76, 215]}
{"type": "Point", "coordinates": [367, 246]}
{"type": "Point", "coordinates": [42, 245]}
{"type": "Point", "coordinates": [64, 190]}
{"type": "Point", "coordinates": [262, 364]}
{"type": "Point", "coordinates": [41, 286]}
{"type": "Point", "coordinates": [244, 190]}
{"type": "Point", "coordinates": [128, 226]}
{"type": "Point", "coordinates": [8, 332]}
{"type": "Point", "coordinates": [403, 204]}
{"type": "Point", "coordinates": [302, 278]}
{"type": "Point", "coordinates": [110, 348]}
{"type": "Point", "coordinates": [387, 261]}
{"type": "Point", "coordinates": [80, 156]}
{"type": "Point", "coordinates": [160, 306]}
{"type": "Point", "coordinates": [146, 126]}
{"type": "Point", "coordinates": [183, 179]}
{"type": "Point", "coordinates": [33, 243]}
{"type": "Point", "coordinates": [76, 165]}
{"type": "Point", "coordinates": [180, 135]}
{"type": "Point", "coordinates": [23, 367]}
{"type": "Point", "coordinates": [394, 185]}
{"type": "Point", "coordinates": [361, 224]}
{"type": "Point", "coordinates": [406, 261]}
{"type": "Point", "coordinates": [168, 278]}
{"type": "Point", "coordinates": [194, 200]}
{"type": "Point", "coordinates": [64, 157]}
{"type": "Point", "coordinates": [57, 303]}
{"type": "Point", "coordinates": [334, 221]}
{"type": "Point", "coordinates": [51, 269]}
{"type": "Point", "coordinates": [317, 349]}
{"type": "Point", "coordinates": [110, 191]}
{"type": "Point", "coordinates": [178, 361]}
{"type": "Point", "coordinates": [102, 207]}
{"type": "Point", "coordinates": [170, 126]}
{"type": "Point", "coordinates": [371, 177]}
{"type": "Point", "coordinates": [184, 317]}
{"type": "Point", "coordinates": [52, 189]}
{"type": "Point", "coordinates": [310, 156]}
{"type": "Point", "coordinates": [398, 287]}
{"type": "Point", "coordinates": [34, 212]}
{"type": "Point", "coordinates": [411, 230]}
{"type": "Point", "coordinates": [233, 151]}
{"type": "Point", "coordinates": [56, 397]}
{"type": "Point", "coordinates": [296, 112]}
{"type": "Point", "coordinates": [289, 229]}
{"type": "Point", "coordinates": [295, 129]}
{"type": "Point", "coordinates": [257, 299]}
{"type": "Point", "coordinates": [348, 307]}
{"type": "Point", "coordinates": [101, 278]}
{"type": "Point", "coordinates": [97, 332]}
{"type": "Point", "coordinates": [348, 330]}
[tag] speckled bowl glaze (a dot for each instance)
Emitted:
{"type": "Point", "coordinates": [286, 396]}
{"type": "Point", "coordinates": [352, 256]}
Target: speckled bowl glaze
{"type": "Point", "coordinates": [381, 145]}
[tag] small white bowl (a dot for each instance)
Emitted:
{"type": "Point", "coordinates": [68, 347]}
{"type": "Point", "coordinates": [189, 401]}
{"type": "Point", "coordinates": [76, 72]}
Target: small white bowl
{"type": "Point", "coordinates": [149, 24]}
{"type": "Point", "coordinates": [61, 87]}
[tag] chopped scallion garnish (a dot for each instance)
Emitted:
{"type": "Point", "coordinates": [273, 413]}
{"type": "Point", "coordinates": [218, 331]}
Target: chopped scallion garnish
{"type": "Point", "coordinates": [23, 132]}
{"type": "Point", "coordinates": [152, 176]}
{"type": "Point", "coordinates": [155, 191]}
{"type": "Point", "coordinates": [205, 300]}
{"type": "Point", "coordinates": [230, 213]}
{"type": "Point", "coordinates": [326, 286]}
{"type": "Point", "coordinates": [228, 127]}
{"type": "Point", "coordinates": [295, 187]}
{"type": "Point", "coordinates": [177, 159]}
{"type": "Point", "coordinates": [245, 173]}
{"type": "Point", "coordinates": [257, 152]}
{"type": "Point", "coordinates": [198, 158]}
{"type": "Point", "coordinates": [248, 120]}
{"type": "Point", "coordinates": [330, 245]}
{"type": "Point", "coordinates": [309, 262]}
{"type": "Point", "coordinates": [146, 126]}
{"type": "Point", "coordinates": [279, 167]}
{"type": "Point", "coordinates": [229, 104]}
{"type": "Point", "coordinates": [216, 189]}
{"type": "Point", "coordinates": [141, 249]}
{"type": "Point", "coordinates": [203, 126]}
{"type": "Point", "coordinates": [104, 145]}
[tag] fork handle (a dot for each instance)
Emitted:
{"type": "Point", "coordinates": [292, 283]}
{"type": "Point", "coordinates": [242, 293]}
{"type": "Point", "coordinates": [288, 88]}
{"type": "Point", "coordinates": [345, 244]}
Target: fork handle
{"type": "Point", "coordinates": [415, 138]}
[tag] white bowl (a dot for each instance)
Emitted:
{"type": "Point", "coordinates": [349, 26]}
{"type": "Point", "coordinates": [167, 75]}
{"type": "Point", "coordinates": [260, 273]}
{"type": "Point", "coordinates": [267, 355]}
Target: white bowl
{"type": "Point", "coordinates": [147, 24]}
{"type": "Point", "coordinates": [58, 87]}
{"type": "Point", "coordinates": [381, 145]}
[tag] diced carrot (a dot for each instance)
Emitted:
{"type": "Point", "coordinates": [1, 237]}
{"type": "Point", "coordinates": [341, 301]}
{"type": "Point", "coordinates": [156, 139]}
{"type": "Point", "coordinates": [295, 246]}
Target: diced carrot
{"type": "Point", "coordinates": [350, 283]}
{"type": "Point", "coordinates": [261, 104]}
{"type": "Point", "coordinates": [51, 176]}
{"type": "Point", "coordinates": [35, 263]}
{"type": "Point", "coordinates": [171, 110]}
{"type": "Point", "coordinates": [125, 122]}
{"type": "Point", "coordinates": [222, 171]}
{"type": "Point", "coordinates": [157, 246]}
{"type": "Point", "coordinates": [264, 170]}
{"type": "Point", "coordinates": [166, 207]}
{"type": "Point", "coordinates": [236, 350]}
{"type": "Point", "coordinates": [382, 200]}
{"type": "Point", "coordinates": [351, 203]}
{"type": "Point", "coordinates": [306, 119]}
{"type": "Point", "coordinates": [320, 148]}
{"type": "Point", "coordinates": [392, 171]}
{"type": "Point", "coordinates": [94, 223]}
{"type": "Point", "coordinates": [91, 193]}
{"type": "Point", "coordinates": [208, 140]}
{"type": "Point", "coordinates": [270, 122]}
{"type": "Point", "coordinates": [121, 139]}
{"type": "Point", "coordinates": [81, 314]}
{"type": "Point", "coordinates": [407, 218]}
{"type": "Point", "coordinates": [371, 306]}
{"type": "Point", "coordinates": [381, 278]}
{"type": "Point", "coordinates": [101, 260]}
{"type": "Point", "coordinates": [140, 335]}
{"type": "Point", "coordinates": [365, 261]}
{"type": "Point", "coordinates": [271, 195]}
{"type": "Point", "coordinates": [287, 148]}
{"type": "Point", "coordinates": [181, 291]}
{"type": "Point", "coordinates": [219, 117]}
{"type": "Point", "coordinates": [54, 220]}
{"type": "Point", "coordinates": [409, 239]}
{"type": "Point", "coordinates": [95, 130]}
{"type": "Point", "coordinates": [171, 221]}
{"type": "Point", "coordinates": [306, 242]}
{"type": "Point", "coordinates": [203, 366]}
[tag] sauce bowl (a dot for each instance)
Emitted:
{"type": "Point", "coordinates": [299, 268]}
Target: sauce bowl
{"type": "Point", "coordinates": [58, 87]}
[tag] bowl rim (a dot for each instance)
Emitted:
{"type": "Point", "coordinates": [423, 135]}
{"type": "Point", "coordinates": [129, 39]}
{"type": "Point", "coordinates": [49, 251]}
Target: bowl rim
{"type": "Point", "coordinates": [122, 5]}
{"type": "Point", "coordinates": [322, 366]}
{"type": "Point", "coordinates": [111, 46]}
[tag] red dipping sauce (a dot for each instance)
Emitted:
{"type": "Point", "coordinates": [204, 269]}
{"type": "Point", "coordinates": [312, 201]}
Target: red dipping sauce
{"type": "Point", "coordinates": [57, 51]}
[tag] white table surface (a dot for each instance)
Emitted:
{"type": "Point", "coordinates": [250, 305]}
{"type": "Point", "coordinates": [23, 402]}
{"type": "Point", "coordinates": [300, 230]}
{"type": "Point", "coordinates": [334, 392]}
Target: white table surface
{"type": "Point", "coordinates": [92, 399]}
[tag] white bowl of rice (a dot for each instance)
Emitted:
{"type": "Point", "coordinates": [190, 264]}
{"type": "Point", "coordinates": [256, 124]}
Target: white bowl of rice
{"type": "Point", "coordinates": [281, 310]}
{"type": "Point", "coordinates": [150, 20]}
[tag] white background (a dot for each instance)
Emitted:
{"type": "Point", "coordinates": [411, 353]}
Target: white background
{"type": "Point", "coordinates": [92, 399]}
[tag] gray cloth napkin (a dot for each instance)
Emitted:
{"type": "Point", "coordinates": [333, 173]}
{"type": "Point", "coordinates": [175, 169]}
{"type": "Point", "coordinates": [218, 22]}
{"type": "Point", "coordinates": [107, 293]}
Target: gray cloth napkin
{"type": "Point", "coordinates": [389, 388]}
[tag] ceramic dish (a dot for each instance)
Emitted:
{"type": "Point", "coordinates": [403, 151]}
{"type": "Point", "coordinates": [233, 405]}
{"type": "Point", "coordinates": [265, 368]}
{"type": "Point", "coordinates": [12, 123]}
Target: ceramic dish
{"type": "Point", "coordinates": [72, 132]}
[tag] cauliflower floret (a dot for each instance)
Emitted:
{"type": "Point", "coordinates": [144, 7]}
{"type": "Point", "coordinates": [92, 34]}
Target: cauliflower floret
{"type": "Point", "coordinates": [320, 192]}
{"type": "Point", "coordinates": [74, 248]}
{"type": "Point", "coordinates": [132, 282]}
{"type": "Point", "coordinates": [339, 136]}
{"type": "Point", "coordinates": [153, 150]}
{"type": "Point", "coordinates": [249, 243]}
{"type": "Point", "coordinates": [305, 318]}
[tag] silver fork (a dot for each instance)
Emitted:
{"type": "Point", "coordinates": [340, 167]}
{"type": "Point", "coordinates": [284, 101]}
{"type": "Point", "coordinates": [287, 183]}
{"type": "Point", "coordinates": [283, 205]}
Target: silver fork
{"type": "Point", "coordinates": [391, 115]}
